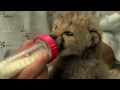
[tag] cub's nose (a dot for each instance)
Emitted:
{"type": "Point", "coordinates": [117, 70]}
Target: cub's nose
{"type": "Point", "coordinates": [54, 37]}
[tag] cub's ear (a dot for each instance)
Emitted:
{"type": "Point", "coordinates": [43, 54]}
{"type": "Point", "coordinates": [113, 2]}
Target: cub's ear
{"type": "Point", "coordinates": [96, 37]}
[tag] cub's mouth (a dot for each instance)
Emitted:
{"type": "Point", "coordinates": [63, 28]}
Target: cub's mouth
{"type": "Point", "coordinates": [59, 44]}
{"type": "Point", "coordinates": [61, 47]}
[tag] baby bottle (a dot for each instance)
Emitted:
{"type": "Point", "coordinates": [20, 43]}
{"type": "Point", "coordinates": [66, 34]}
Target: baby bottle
{"type": "Point", "coordinates": [13, 64]}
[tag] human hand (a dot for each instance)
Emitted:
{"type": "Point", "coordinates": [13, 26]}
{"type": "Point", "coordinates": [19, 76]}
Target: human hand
{"type": "Point", "coordinates": [36, 70]}
{"type": "Point", "coordinates": [107, 50]}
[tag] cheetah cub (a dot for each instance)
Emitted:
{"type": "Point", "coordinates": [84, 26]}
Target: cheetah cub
{"type": "Point", "coordinates": [78, 36]}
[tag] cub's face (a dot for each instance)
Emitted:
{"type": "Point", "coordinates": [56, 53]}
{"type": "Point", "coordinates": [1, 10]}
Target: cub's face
{"type": "Point", "coordinates": [75, 31]}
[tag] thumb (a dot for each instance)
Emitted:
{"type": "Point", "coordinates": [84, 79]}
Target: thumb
{"type": "Point", "coordinates": [46, 57]}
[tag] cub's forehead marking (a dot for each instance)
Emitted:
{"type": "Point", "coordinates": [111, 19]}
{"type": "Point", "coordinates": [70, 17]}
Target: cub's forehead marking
{"type": "Point", "coordinates": [65, 20]}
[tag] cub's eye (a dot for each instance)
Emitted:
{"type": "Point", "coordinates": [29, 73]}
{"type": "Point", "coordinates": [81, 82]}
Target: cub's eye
{"type": "Point", "coordinates": [68, 33]}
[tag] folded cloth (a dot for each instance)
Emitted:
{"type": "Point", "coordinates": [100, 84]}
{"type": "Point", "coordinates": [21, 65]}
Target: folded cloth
{"type": "Point", "coordinates": [111, 31]}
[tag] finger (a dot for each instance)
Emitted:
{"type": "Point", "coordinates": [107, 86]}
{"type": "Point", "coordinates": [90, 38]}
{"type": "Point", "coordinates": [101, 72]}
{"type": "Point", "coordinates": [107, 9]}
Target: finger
{"type": "Point", "coordinates": [43, 74]}
{"type": "Point", "coordinates": [26, 44]}
{"type": "Point", "coordinates": [31, 71]}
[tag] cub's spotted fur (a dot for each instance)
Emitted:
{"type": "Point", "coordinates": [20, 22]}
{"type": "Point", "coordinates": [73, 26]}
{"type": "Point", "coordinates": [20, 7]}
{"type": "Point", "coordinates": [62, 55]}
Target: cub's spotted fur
{"type": "Point", "coordinates": [78, 36]}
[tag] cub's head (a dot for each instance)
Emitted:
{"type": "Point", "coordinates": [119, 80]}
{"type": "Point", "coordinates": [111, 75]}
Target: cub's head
{"type": "Point", "coordinates": [75, 32]}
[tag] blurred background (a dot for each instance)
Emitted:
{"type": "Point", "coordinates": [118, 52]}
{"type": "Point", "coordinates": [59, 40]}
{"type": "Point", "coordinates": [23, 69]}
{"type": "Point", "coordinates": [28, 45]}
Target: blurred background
{"type": "Point", "coordinates": [111, 12]}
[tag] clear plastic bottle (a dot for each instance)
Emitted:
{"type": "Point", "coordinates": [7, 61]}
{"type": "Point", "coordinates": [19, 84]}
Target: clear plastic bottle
{"type": "Point", "coordinates": [13, 64]}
